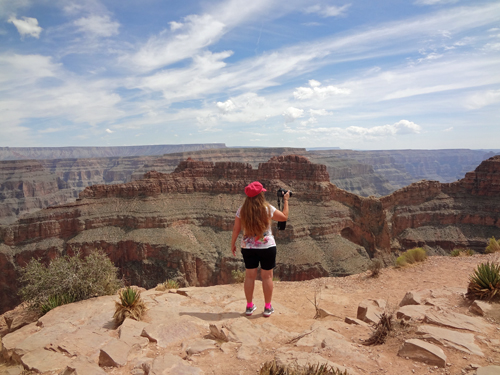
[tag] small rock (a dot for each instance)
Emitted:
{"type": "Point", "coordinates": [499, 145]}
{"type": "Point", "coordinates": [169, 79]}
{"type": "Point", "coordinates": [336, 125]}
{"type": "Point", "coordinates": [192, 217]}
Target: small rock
{"type": "Point", "coordinates": [423, 351]}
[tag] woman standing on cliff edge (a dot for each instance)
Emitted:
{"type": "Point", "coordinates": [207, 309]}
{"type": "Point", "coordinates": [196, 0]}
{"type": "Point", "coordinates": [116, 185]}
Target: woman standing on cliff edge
{"type": "Point", "coordinates": [258, 244]}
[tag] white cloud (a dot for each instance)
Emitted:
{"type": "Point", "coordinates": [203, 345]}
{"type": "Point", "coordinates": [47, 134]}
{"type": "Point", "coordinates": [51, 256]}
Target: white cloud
{"type": "Point", "coordinates": [316, 91]}
{"type": "Point", "coordinates": [175, 25]}
{"type": "Point", "coordinates": [402, 127]}
{"type": "Point", "coordinates": [109, 131]}
{"type": "Point", "coordinates": [98, 26]}
{"type": "Point", "coordinates": [226, 107]}
{"type": "Point", "coordinates": [328, 11]}
{"type": "Point", "coordinates": [27, 26]}
{"type": "Point", "coordinates": [482, 99]}
{"type": "Point", "coordinates": [292, 113]}
{"type": "Point", "coordinates": [198, 32]}
{"type": "Point", "coordinates": [309, 122]}
{"type": "Point", "coordinates": [434, 2]}
{"type": "Point", "coordinates": [448, 129]}
{"type": "Point", "coordinates": [319, 112]}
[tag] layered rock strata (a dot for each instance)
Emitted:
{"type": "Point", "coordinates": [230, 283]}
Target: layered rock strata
{"type": "Point", "coordinates": [178, 225]}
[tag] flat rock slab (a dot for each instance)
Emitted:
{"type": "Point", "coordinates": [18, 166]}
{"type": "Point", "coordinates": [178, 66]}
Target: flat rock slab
{"type": "Point", "coordinates": [284, 358]}
{"type": "Point", "coordinates": [488, 370]}
{"type": "Point", "coordinates": [244, 331]}
{"type": "Point", "coordinates": [413, 312]}
{"type": "Point", "coordinates": [248, 352]}
{"type": "Point", "coordinates": [370, 310]}
{"type": "Point", "coordinates": [41, 360]}
{"type": "Point", "coordinates": [422, 351]}
{"type": "Point", "coordinates": [170, 364]}
{"type": "Point", "coordinates": [114, 353]}
{"type": "Point", "coordinates": [83, 367]}
{"type": "Point", "coordinates": [174, 332]}
{"type": "Point", "coordinates": [459, 340]}
{"type": "Point", "coordinates": [458, 321]}
{"type": "Point", "coordinates": [82, 342]}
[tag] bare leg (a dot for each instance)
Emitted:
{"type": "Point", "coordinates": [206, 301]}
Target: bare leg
{"type": "Point", "coordinates": [249, 284]}
{"type": "Point", "coordinates": [267, 284]}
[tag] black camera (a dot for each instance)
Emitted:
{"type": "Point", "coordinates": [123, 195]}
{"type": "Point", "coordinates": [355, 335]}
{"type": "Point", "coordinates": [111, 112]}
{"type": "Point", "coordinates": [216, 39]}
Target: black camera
{"type": "Point", "coordinates": [280, 194]}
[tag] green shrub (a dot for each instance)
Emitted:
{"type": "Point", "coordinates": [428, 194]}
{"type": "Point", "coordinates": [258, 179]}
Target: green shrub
{"type": "Point", "coordinates": [469, 252]}
{"type": "Point", "coordinates": [493, 246]}
{"type": "Point", "coordinates": [272, 368]}
{"type": "Point", "coordinates": [456, 253]}
{"type": "Point", "coordinates": [484, 283]}
{"type": "Point", "coordinates": [411, 256]}
{"type": "Point", "coordinates": [55, 301]}
{"type": "Point", "coordinates": [131, 305]}
{"type": "Point", "coordinates": [168, 284]}
{"type": "Point", "coordinates": [238, 276]}
{"type": "Point", "coordinates": [68, 279]}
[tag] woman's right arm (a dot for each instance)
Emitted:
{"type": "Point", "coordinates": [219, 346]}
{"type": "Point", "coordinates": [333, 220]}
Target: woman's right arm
{"type": "Point", "coordinates": [282, 216]}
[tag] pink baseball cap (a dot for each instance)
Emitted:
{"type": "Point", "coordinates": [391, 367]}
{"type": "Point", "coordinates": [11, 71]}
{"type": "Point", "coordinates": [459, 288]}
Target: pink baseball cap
{"type": "Point", "coordinates": [254, 189]}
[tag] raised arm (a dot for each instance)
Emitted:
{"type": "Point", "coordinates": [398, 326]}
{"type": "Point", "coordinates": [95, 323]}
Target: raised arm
{"type": "Point", "coordinates": [236, 233]}
{"type": "Point", "coordinates": [282, 216]}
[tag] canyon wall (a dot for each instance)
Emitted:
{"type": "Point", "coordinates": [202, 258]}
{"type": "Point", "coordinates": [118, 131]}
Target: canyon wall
{"type": "Point", "coordinates": [178, 225]}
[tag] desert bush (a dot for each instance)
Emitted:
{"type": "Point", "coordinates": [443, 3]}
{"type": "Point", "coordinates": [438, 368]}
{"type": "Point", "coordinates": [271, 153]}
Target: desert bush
{"type": "Point", "coordinates": [276, 278]}
{"type": "Point", "coordinates": [168, 284]}
{"type": "Point", "coordinates": [68, 278]}
{"type": "Point", "coordinates": [238, 276]}
{"type": "Point", "coordinates": [272, 368]}
{"type": "Point", "coordinates": [456, 253]}
{"type": "Point", "coordinates": [130, 305]}
{"type": "Point", "coordinates": [484, 282]}
{"type": "Point", "coordinates": [411, 256]}
{"type": "Point", "coordinates": [375, 267]}
{"type": "Point", "coordinates": [469, 252]}
{"type": "Point", "coordinates": [493, 246]}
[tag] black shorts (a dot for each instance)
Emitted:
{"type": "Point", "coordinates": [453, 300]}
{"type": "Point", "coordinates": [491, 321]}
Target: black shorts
{"type": "Point", "coordinates": [266, 258]}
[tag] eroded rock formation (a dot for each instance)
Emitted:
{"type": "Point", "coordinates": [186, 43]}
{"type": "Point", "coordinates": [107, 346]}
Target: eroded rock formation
{"type": "Point", "coordinates": [178, 225]}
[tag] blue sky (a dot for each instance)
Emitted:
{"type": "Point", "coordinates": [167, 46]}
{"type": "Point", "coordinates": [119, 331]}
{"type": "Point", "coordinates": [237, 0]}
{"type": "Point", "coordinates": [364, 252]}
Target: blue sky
{"type": "Point", "coordinates": [386, 74]}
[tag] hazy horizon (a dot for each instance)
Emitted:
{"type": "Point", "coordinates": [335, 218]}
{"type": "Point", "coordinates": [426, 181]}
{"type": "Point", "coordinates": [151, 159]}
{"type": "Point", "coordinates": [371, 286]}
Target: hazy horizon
{"type": "Point", "coordinates": [360, 75]}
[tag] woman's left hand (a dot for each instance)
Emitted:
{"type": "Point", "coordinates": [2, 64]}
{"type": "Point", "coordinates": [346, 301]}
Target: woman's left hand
{"type": "Point", "coordinates": [233, 249]}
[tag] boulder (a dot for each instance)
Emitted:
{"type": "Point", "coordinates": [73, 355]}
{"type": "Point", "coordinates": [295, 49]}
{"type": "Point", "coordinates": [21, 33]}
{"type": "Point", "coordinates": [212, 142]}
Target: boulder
{"type": "Point", "coordinates": [370, 310]}
{"type": "Point", "coordinates": [422, 351]}
{"type": "Point", "coordinates": [83, 367]}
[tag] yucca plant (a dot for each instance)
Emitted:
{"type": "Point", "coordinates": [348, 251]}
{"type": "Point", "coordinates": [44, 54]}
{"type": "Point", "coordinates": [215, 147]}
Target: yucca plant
{"type": "Point", "coordinates": [493, 246]}
{"type": "Point", "coordinates": [484, 283]}
{"type": "Point", "coordinates": [131, 305]}
{"type": "Point", "coordinates": [55, 301]}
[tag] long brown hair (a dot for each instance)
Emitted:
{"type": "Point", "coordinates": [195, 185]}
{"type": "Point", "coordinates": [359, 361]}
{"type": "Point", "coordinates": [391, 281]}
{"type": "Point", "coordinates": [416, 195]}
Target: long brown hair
{"type": "Point", "coordinates": [254, 215]}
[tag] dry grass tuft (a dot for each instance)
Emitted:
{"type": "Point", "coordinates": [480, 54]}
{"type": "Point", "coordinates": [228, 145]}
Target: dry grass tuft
{"type": "Point", "coordinates": [375, 267]}
{"type": "Point", "coordinates": [168, 284]}
{"type": "Point", "coordinates": [272, 368]}
{"type": "Point", "coordinates": [493, 246]}
{"type": "Point", "coordinates": [382, 329]}
{"type": "Point", "coordinates": [411, 256]}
